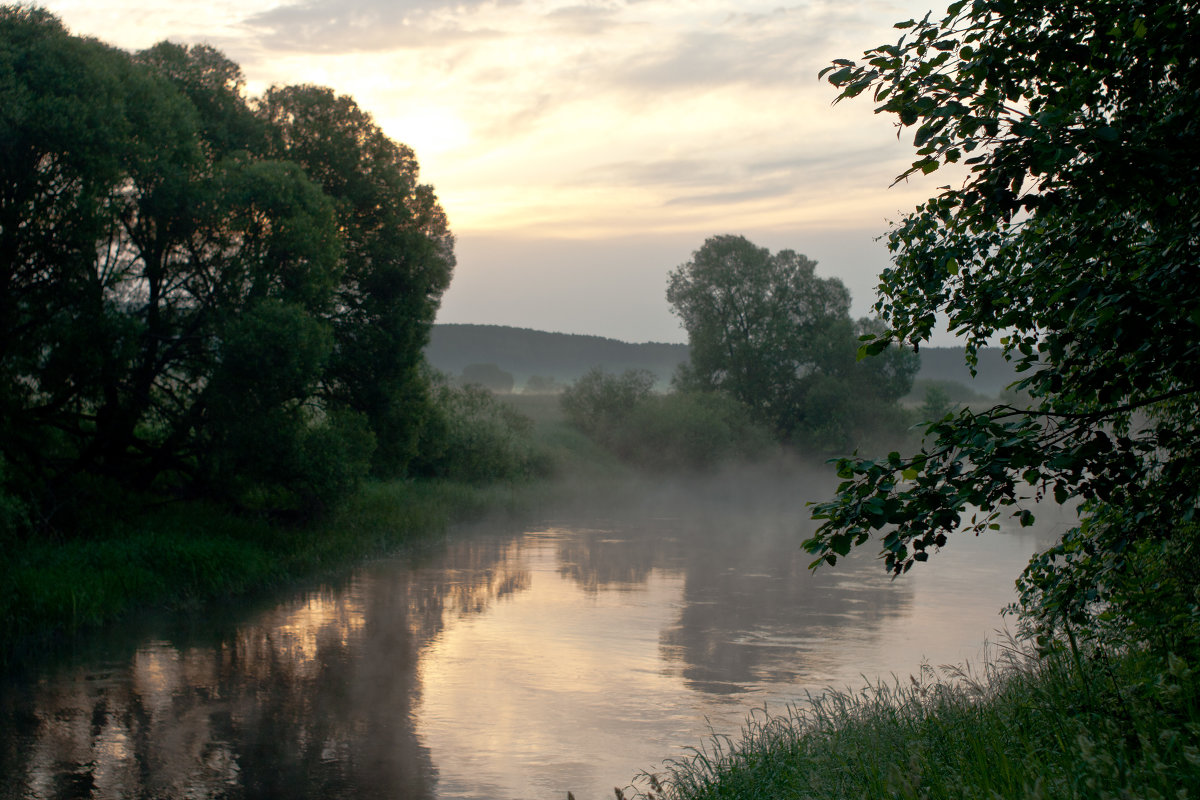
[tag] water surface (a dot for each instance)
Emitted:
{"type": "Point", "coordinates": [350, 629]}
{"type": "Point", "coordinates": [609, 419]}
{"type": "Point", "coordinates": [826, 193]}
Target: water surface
{"type": "Point", "coordinates": [568, 651]}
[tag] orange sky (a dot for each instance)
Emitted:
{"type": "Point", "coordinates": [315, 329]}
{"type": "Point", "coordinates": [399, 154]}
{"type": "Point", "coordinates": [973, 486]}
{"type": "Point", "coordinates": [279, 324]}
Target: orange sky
{"type": "Point", "coordinates": [582, 150]}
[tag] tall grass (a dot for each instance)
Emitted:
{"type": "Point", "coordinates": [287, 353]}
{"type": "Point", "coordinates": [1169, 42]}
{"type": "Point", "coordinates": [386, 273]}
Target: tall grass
{"type": "Point", "coordinates": [1025, 726]}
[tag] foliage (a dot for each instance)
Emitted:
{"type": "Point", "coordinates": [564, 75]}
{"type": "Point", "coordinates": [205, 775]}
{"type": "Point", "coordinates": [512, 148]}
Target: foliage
{"type": "Point", "coordinates": [397, 259]}
{"type": "Point", "coordinates": [1023, 728]}
{"type": "Point", "coordinates": [765, 329]}
{"type": "Point", "coordinates": [475, 437]}
{"type": "Point", "coordinates": [691, 431]}
{"type": "Point", "coordinates": [680, 430]}
{"type": "Point", "coordinates": [185, 554]}
{"type": "Point", "coordinates": [936, 404]}
{"type": "Point", "coordinates": [199, 292]}
{"type": "Point", "coordinates": [14, 515]}
{"type": "Point", "coordinates": [1144, 596]}
{"type": "Point", "coordinates": [599, 403]}
{"type": "Point", "coordinates": [1073, 238]}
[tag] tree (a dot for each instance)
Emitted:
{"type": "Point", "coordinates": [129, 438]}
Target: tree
{"type": "Point", "coordinates": [765, 329]}
{"type": "Point", "coordinates": [1073, 239]}
{"type": "Point", "coordinates": [599, 402]}
{"type": "Point", "coordinates": [198, 291]}
{"type": "Point", "coordinates": [682, 430]}
{"type": "Point", "coordinates": [397, 260]}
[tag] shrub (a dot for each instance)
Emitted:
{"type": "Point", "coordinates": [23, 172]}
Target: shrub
{"type": "Point", "coordinates": [690, 430]}
{"type": "Point", "coordinates": [683, 430]}
{"type": "Point", "coordinates": [599, 403]}
{"type": "Point", "coordinates": [474, 437]}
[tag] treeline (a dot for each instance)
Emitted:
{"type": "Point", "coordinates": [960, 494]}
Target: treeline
{"type": "Point", "coordinates": [553, 360]}
{"type": "Point", "coordinates": [205, 294]}
{"type": "Point", "coordinates": [554, 357]}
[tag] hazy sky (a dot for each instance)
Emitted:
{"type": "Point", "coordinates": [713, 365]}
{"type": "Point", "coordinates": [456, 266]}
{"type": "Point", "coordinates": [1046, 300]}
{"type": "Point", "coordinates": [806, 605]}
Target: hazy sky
{"type": "Point", "coordinates": [582, 150]}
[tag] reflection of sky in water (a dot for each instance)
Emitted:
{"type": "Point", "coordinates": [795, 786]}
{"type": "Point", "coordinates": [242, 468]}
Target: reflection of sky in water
{"type": "Point", "coordinates": [602, 666]}
{"type": "Point", "coordinates": [507, 662]}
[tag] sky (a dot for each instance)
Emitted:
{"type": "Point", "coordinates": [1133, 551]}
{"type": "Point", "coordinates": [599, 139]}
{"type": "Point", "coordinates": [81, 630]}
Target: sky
{"type": "Point", "coordinates": [584, 149]}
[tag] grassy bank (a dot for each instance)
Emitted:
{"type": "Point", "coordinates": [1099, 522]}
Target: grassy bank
{"type": "Point", "coordinates": [1026, 727]}
{"type": "Point", "coordinates": [187, 554]}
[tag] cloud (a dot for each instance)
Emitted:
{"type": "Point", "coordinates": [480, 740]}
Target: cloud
{"type": "Point", "coordinates": [338, 26]}
{"type": "Point", "coordinates": [782, 47]}
{"type": "Point", "coordinates": [772, 176]}
{"type": "Point", "coordinates": [663, 172]}
{"type": "Point", "coordinates": [735, 197]}
{"type": "Point", "coordinates": [584, 20]}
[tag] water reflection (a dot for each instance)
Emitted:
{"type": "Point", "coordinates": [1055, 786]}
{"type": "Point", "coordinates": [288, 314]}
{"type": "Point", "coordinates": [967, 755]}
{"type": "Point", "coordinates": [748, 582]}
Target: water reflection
{"type": "Point", "coordinates": [506, 662]}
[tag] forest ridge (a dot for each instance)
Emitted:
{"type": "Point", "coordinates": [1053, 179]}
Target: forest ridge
{"type": "Point", "coordinates": [524, 352]}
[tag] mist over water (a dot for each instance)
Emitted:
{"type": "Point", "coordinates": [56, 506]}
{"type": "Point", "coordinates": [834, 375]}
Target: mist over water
{"type": "Point", "coordinates": [515, 659]}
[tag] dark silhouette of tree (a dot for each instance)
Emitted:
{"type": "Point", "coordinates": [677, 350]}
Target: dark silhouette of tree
{"type": "Point", "coordinates": [1073, 239]}
{"type": "Point", "coordinates": [192, 293]}
{"type": "Point", "coordinates": [765, 329]}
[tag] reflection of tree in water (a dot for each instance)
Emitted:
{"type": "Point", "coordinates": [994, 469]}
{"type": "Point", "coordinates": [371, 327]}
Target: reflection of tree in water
{"type": "Point", "coordinates": [313, 698]}
{"type": "Point", "coordinates": [611, 557]}
{"type": "Point", "coordinates": [475, 570]}
{"type": "Point", "coordinates": [751, 611]}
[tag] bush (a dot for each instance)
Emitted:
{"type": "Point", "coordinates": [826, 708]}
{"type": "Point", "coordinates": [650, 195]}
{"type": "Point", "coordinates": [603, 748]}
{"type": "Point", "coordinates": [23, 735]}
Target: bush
{"type": "Point", "coordinates": [1142, 596]}
{"type": "Point", "coordinates": [837, 417]}
{"type": "Point", "coordinates": [14, 512]}
{"type": "Point", "coordinates": [690, 430]}
{"type": "Point", "coordinates": [599, 403]}
{"type": "Point", "coordinates": [955, 392]}
{"type": "Point", "coordinates": [474, 437]}
{"type": "Point", "coordinates": [681, 430]}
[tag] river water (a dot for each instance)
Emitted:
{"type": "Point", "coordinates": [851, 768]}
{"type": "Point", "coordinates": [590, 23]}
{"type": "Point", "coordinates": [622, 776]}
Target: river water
{"type": "Point", "coordinates": [567, 651]}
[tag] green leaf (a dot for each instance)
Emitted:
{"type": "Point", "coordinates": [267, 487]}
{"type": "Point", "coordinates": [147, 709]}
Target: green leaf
{"type": "Point", "coordinates": [841, 76]}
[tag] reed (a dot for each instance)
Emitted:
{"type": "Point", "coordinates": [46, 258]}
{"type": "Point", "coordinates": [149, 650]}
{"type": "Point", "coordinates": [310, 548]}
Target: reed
{"type": "Point", "coordinates": [1023, 726]}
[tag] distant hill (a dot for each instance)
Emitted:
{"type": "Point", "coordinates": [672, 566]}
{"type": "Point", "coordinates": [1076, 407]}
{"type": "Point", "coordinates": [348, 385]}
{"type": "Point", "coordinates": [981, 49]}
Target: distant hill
{"type": "Point", "coordinates": [562, 356]}
{"type": "Point", "coordinates": [948, 364]}
{"type": "Point", "coordinates": [566, 356]}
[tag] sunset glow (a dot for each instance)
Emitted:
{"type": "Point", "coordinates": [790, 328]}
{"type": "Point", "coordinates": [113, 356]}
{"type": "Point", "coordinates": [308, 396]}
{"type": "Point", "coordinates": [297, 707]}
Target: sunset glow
{"type": "Point", "coordinates": [591, 122]}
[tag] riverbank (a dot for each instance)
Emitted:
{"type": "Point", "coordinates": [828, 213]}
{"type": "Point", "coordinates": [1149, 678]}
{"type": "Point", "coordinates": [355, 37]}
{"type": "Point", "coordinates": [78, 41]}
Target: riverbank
{"type": "Point", "coordinates": [1024, 727]}
{"type": "Point", "coordinates": [161, 554]}
{"type": "Point", "coordinates": [184, 555]}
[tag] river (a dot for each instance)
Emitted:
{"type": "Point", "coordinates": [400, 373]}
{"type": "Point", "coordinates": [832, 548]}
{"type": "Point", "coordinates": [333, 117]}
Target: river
{"type": "Point", "coordinates": [513, 659]}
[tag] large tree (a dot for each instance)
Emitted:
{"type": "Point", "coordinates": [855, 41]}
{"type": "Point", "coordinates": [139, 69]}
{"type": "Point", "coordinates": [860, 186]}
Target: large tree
{"type": "Point", "coordinates": [765, 329]}
{"type": "Point", "coordinates": [397, 260]}
{"type": "Point", "coordinates": [184, 290]}
{"type": "Point", "coordinates": [1073, 241]}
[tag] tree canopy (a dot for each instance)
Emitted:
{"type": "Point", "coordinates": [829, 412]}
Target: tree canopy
{"type": "Point", "coordinates": [199, 289]}
{"type": "Point", "coordinates": [765, 329]}
{"type": "Point", "coordinates": [1072, 242]}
